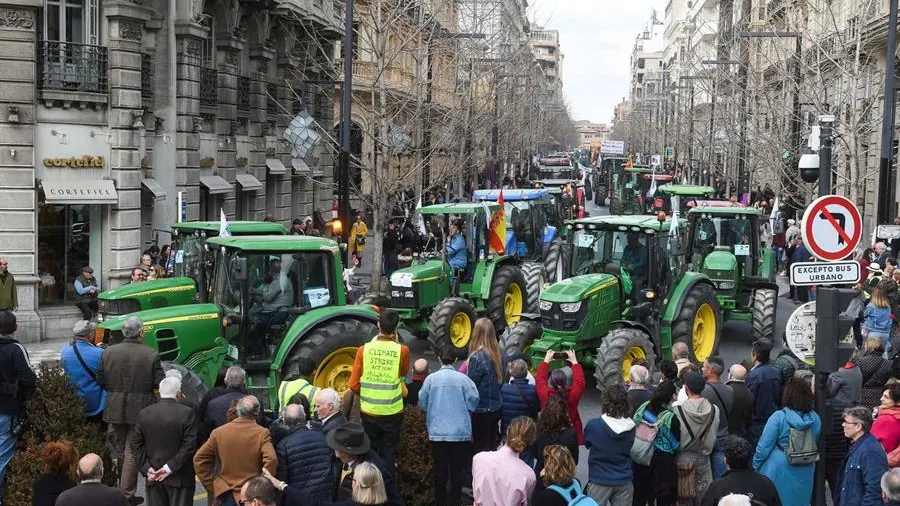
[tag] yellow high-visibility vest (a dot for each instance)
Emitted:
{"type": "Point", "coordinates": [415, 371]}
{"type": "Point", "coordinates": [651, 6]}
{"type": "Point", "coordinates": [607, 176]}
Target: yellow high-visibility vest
{"type": "Point", "coordinates": [381, 391]}
{"type": "Point", "coordinates": [291, 388]}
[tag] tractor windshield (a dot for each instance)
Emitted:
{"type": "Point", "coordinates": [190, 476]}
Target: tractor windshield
{"type": "Point", "coordinates": [734, 232]}
{"type": "Point", "coordinates": [609, 251]}
{"type": "Point", "coordinates": [188, 252]}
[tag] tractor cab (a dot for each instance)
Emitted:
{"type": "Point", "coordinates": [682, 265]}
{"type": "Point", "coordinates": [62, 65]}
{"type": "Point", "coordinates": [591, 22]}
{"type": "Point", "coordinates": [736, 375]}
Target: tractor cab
{"type": "Point", "coordinates": [273, 300]}
{"type": "Point", "coordinates": [686, 194]}
{"type": "Point", "coordinates": [189, 266]}
{"type": "Point", "coordinates": [610, 167]}
{"type": "Point", "coordinates": [723, 243]}
{"type": "Point", "coordinates": [628, 190]}
{"type": "Point", "coordinates": [566, 199]}
{"type": "Point", "coordinates": [531, 223]}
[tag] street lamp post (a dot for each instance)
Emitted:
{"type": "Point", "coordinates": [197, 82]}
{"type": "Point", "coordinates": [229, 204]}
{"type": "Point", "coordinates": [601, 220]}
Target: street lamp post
{"type": "Point", "coordinates": [344, 158]}
{"type": "Point", "coordinates": [887, 121]}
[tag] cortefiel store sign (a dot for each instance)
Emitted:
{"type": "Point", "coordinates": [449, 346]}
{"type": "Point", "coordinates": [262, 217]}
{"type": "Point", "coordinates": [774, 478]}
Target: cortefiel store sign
{"type": "Point", "coordinates": [85, 161]}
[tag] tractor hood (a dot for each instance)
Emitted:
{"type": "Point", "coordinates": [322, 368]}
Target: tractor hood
{"type": "Point", "coordinates": [155, 293]}
{"type": "Point", "coordinates": [720, 260]}
{"type": "Point", "coordinates": [578, 288]}
{"type": "Point", "coordinates": [417, 273]}
{"type": "Point", "coordinates": [192, 317]}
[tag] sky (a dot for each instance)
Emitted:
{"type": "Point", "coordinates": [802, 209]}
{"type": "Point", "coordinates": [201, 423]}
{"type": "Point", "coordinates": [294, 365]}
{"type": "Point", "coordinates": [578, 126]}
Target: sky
{"type": "Point", "coordinates": [596, 37]}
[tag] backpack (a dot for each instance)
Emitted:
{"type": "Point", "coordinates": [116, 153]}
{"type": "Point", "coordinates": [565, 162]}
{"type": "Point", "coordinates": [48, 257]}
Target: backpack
{"type": "Point", "coordinates": [802, 448]}
{"type": "Point", "coordinates": [573, 494]}
{"type": "Point", "coordinates": [644, 439]}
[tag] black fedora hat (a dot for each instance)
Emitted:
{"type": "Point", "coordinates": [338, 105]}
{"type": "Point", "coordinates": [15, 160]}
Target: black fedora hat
{"type": "Point", "coordinates": [349, 438]}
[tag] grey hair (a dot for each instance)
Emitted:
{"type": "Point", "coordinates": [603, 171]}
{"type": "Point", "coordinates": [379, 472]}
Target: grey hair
{"type": "Point", "coordinates": [132, 328]}
{"type": "Point", "coordinates": [518, 369]}
{"type": "Point", "coordinates": [234, 376]}
{"type": "Point", "coordinates": [328, 396]}
{"type": "Point", "coordinates": [890, 485]}
{"type": "Point", "coordinates": [735, 500]}
{"type": "Point", "coordinates": [247, 407]}
{"type": "Point", "coordinates": [293, 415]}
{"type": "Point", "coordinates": [174, 373]}
{"type": "Point", "coordinates": [862, 414]}
{"type": "Point", "coordinates": [639, 375]}
{"type": "Point", "coordinates": [169, 387]}
{"type": "Point", "coordinates": [680, 350]}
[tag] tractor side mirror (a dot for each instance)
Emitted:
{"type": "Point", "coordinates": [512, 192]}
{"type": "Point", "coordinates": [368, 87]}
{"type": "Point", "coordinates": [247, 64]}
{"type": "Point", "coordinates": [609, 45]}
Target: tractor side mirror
{"type": "Point", "coordinates": [241, 264]}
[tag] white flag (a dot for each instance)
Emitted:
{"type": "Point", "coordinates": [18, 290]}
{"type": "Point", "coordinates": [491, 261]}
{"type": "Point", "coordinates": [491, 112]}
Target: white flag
{"type": "Point", "coordinates": [224, 229]}
{"type": "Point", "coordinates": [773, 216]}
{"type": "Point", "coordinates": [421, 220]}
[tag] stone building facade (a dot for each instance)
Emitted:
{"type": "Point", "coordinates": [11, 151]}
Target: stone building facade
{"type": "Point", "coordinates": [120, 117]}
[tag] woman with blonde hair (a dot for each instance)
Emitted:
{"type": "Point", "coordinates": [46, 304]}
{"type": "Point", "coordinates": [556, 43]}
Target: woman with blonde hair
{"type": "Point", "coordinates": [877, 317]}
{"type": "Point", "coordinates": [368, 489]}
{"type": "Point", "coordinates": [558, 476]}
{"type": "Point", "coordinates": [500, 477]}
{"type": "Point", "coordinates": [486, 371]}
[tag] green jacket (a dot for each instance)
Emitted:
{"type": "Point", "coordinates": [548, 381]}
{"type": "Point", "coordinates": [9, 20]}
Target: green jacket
{"type": "Point", "coordinates": [9, 297]}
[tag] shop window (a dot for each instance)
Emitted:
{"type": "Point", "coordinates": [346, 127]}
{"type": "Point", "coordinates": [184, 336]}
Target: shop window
{"type": "Point", "coordinates": [66, 234]}
{"type": "Point", "coordinates": [210, 205]}
{"type": "Point", "coordinates": [242, 203]}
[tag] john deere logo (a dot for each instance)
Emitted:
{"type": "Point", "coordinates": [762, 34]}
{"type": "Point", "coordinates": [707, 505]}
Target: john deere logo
{"type": "Point", "coordinates": [86, 161]}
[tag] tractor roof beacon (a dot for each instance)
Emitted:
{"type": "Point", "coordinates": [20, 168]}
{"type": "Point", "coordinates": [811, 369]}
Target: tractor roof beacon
{"type": "Point", "coordinates": [191, 271]}
{"type": "Point", "coordinates": [308, 318]}
{"type": "Point", "coordinates": [441, 303]}
{"type": "Point", "coordinates": [626, 298]}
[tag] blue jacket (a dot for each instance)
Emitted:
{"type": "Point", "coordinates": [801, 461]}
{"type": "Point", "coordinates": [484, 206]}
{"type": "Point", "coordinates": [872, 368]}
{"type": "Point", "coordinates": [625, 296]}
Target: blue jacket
{"type": "Point", "coordinates": [481, 371]}
{"type": "Point", "coordinates": [859, 483]}
{"type": "Point", "coordinates": [877, 320]}
{"type": "Point", "coordinates": [793, 482]}
{"type": "Point", "coordinates": [609, 441]}
{"type": "Point", "coordinates": [457, 256]}
{"type": "Point", "coordinates": [448, 396]}
{"type": "Point", "coordinates": [801, 254]}
{"type": "Point", "coordinates": [93, 394]}
{"type": "Point", "coordinates": [764, 382]}
{"type": "Point", "coordinates": [515, 404]}
{"type": "Point", "coordinates": [304, 461]}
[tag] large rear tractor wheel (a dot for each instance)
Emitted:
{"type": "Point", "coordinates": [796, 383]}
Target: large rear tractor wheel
{"type": "Point", "coordinates": [698, 322]}
{"type": "Point", "coordinates": [551, 261]}
{"type": "Point", "coordinates": [507, 297]}
{"type": "Point", "coordinates": [376, 299]}
{"type": "Point", "coordinates": [192, 386]}
{"type": "Point", "coordinates": [618, 351]}
{"type": "Point", "coordinates": [332, 347]}
{"type": "Point", "coordinates": [534, 276]}
{"type": "Point", "coordinates": [765, 303]}
{"type": "Point", "coordinates": [615, 205]}
{"type": "Point", "coordinates": [519, 338]}
{"type": "Point", "coordinates": [451, 324]}
{"type": "Point", "coordinates": [600, 194]}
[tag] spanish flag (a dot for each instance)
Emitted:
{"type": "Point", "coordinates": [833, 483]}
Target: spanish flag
{"type": "Point", "coordinates": [497, 232]}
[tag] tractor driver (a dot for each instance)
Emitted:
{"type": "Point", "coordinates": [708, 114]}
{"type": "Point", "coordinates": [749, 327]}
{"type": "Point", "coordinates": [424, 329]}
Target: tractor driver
{"type": "Point", "coordinates": [706, 236]}
{"type": "Point", "coordinates": [277, 293]}
{"type": "Point", "coordinates": [634, 258]}
{"type": "Point", "coordinates": [457, 254]}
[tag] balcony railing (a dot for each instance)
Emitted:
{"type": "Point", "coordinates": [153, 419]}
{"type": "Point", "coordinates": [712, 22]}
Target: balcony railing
{"type": "Point", "coordinates": [209, 87]}
{"type": "Point", "coordinates": [272, 99]}
{"type": "Point", "coordinates": [243, 94]}
{"type": "Point", "coordinates": [73, 67]}
{"type": "Point", "coordinates": [147, 78]}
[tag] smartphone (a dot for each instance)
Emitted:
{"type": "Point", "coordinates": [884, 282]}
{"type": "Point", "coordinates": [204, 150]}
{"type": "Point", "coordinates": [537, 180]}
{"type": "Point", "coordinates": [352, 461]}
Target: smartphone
{"type": "Point", "coordinates": [560, 355]}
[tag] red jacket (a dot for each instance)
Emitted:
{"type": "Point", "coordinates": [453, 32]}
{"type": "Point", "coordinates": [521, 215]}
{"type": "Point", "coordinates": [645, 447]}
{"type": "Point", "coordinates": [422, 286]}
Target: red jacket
{"type": "Point", "coordinates": [573, 396]}
{"type": "Point", "coordinates": [886, 429]}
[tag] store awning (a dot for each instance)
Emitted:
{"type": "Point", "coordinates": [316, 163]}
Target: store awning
{"type": "Point", "coordinates": [300, 166]}
{"type": "Point", "coordinates": [318, 173]}
{"type": "Point", "coordinates": [248, 183]}
{"type": "Point", "coordinates": [275, 166]}
{"type": "Point", "coordinates": [80, 191]}
{"type": "Point", "coordinates": [155, 189]}
{"type": "Point", "coordinates": [215, 185]}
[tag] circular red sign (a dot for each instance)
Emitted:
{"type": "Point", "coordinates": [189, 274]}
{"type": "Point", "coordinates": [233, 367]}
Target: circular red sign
{"type": "Point", "coordinates": [819, 210]}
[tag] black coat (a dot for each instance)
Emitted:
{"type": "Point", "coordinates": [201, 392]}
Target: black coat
{"type": "Point", "coordinates": [742, 481]}
{"type": "Point", "coordinates": [304, 461]}
{"type": "Point", "coordinates": [336, 420]}
{"type": "Point", "coordinates": [166, 434]}
{"type": "Point", "coordinates": [95, 494]}
{"type": "Point", "coordinates": [876, 370]}
{"type": "Point", "coordinates": [217, 409]}
{"type": "Point", "coordinates": [48, 487]}
{"type": "Point", "coordinates": [17, 379]}
{"type": "Point", "coordinates": [741, 413]}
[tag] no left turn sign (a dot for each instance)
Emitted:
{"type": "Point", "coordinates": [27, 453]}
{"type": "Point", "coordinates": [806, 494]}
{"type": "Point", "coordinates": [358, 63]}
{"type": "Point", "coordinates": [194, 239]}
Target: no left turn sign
{"type": "Point", "coordinates": [832, 228]}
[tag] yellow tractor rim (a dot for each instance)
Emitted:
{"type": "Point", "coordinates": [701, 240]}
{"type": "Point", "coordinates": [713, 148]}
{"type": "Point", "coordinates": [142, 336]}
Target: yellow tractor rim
{"type": "Point", "coordinates": [460, 330]}
{"type": "Point", "coordinates": [334, 371]}
{"type": "Point", "coordinates": [631, 355]}
{"type": "Point", "coordinates": [704, 338]}
{"type": "Point", "coordinates": [513, 303]}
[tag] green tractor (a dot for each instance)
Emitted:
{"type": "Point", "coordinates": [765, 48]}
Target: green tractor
{"type": "Point", "coordinates": [609, 167]}
{"type": "Point", "coordinates": [686, 194]}
{"type": "Point", "coordinates": [309, 318]}
{"type": "Point", "coordinates": [724, 245]}
{"type": "Point", "coordinates": [442, 303]}
{"type": "Point", "coordinates": [627, 190]}
{"type": "Point", "coordinates": [626, 296]}
{"type": "Point", "coordinates": [190, 272]}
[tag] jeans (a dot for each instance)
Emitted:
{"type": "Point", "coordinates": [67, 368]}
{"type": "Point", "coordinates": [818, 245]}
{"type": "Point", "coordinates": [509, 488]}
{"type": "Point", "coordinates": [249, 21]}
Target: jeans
{"type": "Point", "coordinates": [450, 461]}
{"type": "Point", "coordinates": [384, 433]}
{"type": "Point", "coordinates": [618, 495]}
{"type": "Point", "coordinates": [7, 447]}
{"type": "Point", "coordinates": [717, 459]}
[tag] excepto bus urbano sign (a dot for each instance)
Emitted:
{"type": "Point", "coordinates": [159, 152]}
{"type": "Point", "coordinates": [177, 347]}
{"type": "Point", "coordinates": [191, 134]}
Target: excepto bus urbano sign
{"type": "Point", "coordinates": [84, 161]}
{"type": "Point", "coordinates": [825, 273]}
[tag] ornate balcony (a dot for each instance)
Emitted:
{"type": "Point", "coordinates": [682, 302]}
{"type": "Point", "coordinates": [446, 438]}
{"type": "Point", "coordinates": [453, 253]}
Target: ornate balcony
{"type": "Point", "coordinates": [243, 94]}
{"type": "Point", "coordinates": [66, 66]}
{"type": "Point", "coordinates": [147, 80]}
{"type": "Point", "coordinates": [272, 106]}
{"type": "Point", "coordinates": [209, 87]}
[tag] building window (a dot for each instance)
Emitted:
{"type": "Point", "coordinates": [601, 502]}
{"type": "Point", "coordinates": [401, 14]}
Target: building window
{"type": "Point", "coordinates": [70, 58]}
{"type": "Point", "coordinates": [75, 21]}
{"type": "Point", "coordinates": [64, 247]}
{"type": "Point", "coordinates": [210, 205]}
{"type": "Point", "coordinates": [209, 80]}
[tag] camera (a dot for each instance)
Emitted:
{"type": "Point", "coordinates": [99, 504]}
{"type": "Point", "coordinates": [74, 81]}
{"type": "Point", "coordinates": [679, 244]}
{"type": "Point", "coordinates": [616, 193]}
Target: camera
{"type": "Point", "coordinates": [560, 355]}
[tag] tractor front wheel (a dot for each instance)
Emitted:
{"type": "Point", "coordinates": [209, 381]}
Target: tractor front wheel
{"type": "Point", "coordinates": [551, 261]}
{"type": "Point", "coordinates": [332, 347]}
{"type": "Point", "coordinates": [615, 205]}
{"type": "Point", "coordinates": [698, 322]}
{"type": "Point", "coordinates": [618, 351]}
{"type": "Point", "coordinates": [507, 297]}
{"type": "Point", "coordinates": [534, 275]}
{"type": "Point", "coordinates": [600, 194]}
{"type": "Point", "coordinates": [519, 338]}
{"type": "Point", "coordinates": [451, 324]}
{"type": "Point", "coordinates": [765, 302]}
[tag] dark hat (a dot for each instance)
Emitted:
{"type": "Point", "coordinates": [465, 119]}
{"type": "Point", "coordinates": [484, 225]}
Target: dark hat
{"type": "Point", "coordinates": [87, 269]}
{"type": "Point", "coordinates": [297, 221]}
{"type": "Point", "coordinates": [694, 382]}
{"type": "Point", "coordinates": [349, 438]}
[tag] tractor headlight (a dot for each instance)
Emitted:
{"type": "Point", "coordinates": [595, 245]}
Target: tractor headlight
{"type": "Point", "coordinates": [725, 285]}
{"type": "Point", "coordinates": [570, 307]}
{"type": "Point", "coordinates": [546, 305]}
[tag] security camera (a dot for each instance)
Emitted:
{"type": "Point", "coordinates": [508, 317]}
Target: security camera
{"type": "Point", "coordinates": [808, 161]}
